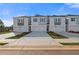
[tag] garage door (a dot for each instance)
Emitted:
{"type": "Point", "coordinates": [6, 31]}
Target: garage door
{"type": "Point", "coordinates": [39, 28]}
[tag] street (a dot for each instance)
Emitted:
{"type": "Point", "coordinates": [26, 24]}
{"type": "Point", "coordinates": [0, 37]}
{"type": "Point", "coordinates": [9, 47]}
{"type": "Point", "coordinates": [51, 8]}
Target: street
{"type": "Point", "coordinates": [39, 52]}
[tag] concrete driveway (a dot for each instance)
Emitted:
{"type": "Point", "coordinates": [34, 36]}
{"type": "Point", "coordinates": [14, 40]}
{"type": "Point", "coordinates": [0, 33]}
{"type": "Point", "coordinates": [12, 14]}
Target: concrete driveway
{"type": "Point", "coordinates": [39, 39]}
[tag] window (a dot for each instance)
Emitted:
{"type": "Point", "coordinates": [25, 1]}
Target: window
{"type": "Point", "coordinates": [57, 21]}
{"type": "Point", "coordinates": [20, 22]}
{"type": "Point", "coordinates": [42, 19]}
{"type": "Point", "coordinates": [35, 20]}
{"type": "Point", "coordinates": [72, 19]}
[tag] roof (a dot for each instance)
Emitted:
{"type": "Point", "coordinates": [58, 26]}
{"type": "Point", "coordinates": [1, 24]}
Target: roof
{"type": "Point", "coordinates": [21, 16]}
{"type": "Point", "coordinates": [72, 15]}
{"type": "Point", "coordinates": [48, 15]}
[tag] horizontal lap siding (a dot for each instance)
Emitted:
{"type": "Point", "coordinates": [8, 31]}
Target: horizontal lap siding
{"type": "Point", "coordinates": [73, 28]}
{"type": "Point", "coordinates": [53, 27]}
{"type": "Point", "coordinates": [38, 26]}
{"type": "Point", "coordinates": [57, 28]}
{"type": "Point", "coordinates": [73, 25]}
{"type": "Point", "coordinates": [23, 28]}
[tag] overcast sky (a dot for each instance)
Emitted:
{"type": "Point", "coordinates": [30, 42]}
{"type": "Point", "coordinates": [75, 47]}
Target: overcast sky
{"type": "Point", "coordinates": [10, 10]}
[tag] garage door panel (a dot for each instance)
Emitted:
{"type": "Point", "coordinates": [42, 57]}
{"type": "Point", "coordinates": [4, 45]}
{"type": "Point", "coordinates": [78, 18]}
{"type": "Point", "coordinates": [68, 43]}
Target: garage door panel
{"type": "Point", "coordinates": [38, 28]}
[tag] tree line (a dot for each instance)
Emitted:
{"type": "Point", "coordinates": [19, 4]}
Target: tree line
{"type": "Point", "coordinates": [5, 28]}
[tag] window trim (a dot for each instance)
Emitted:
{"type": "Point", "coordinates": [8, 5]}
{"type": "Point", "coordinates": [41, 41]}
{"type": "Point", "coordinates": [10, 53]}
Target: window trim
{"type": "Point", "coordinates": [35, 20]}
{"type": "Point", "coordinates": [42, 20]}
{"type": "Point", "coordinates": [57, 21]}
{"type": "Point", "coordinates": [72, 19]}
{"type": "Point", "coordinates": [20, 22]}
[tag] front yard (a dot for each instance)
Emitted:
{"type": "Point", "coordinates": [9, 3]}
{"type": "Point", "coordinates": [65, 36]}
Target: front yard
{"type": "Point", "coordinates": [56, 36]}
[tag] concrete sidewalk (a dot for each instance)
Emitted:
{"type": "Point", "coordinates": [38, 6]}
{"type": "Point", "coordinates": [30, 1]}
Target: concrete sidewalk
{"type": "Point", "coordinates": [69, 35]}
{"type": "Point", "coordinates": [4, 36]}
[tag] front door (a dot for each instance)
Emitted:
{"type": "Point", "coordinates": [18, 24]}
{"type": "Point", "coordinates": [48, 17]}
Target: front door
{"type": "Point", "coordinates": [66, 22]}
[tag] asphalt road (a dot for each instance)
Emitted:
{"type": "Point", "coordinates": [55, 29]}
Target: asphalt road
{"type": "Point", "coordinates": [39, 52]}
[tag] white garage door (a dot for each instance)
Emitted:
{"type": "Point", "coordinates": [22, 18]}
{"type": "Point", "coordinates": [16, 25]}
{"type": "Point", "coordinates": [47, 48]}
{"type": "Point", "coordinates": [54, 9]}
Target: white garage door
{"type": "Point", "coordinates": [39, 28]}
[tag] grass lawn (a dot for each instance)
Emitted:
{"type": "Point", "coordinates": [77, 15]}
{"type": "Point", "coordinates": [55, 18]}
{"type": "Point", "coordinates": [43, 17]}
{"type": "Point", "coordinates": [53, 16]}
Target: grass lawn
{"type": "Point", "coordinates": [3, 43]}
{"type": "Point", "coordinates": [5, 32]}
{"type": "Point", "coordinates": [56, 36]}
{"type": "Point", "coordinates": [70, 43]}
{"type": "Point", "coordinates": [18, 36]}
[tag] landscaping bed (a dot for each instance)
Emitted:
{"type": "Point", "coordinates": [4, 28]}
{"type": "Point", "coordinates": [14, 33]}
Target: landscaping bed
{"type": "Point", "coordinates": [70, 43]}
{"type": "Point", "coordinates": [56, 36]}
{"type": "Point", "coordinates": [3, 43]}
{"type": "Point", "coordinates": [73, 32]}
{"type": "Point", "coordinates": [18, 36]}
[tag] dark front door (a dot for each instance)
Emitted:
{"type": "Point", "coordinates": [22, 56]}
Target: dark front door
{"type": "Point", "coordinates": [66, 22]}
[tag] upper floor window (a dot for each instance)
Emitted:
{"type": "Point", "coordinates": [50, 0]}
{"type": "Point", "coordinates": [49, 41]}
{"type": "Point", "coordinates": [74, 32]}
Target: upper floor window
{"type": "Point", "coordinates": [72, 19]}
{"type": "Point", "coordinates": [42, 19]}
{"type": "Point", "coordinates": [57, 21]}
{"type": "Point", "coordinates": [20, 22]}
{"type": "Point", "coordinates": [34, 19]}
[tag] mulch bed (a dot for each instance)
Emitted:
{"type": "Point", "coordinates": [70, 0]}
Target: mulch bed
{"type": "Point", "coordinates": [73, 32]}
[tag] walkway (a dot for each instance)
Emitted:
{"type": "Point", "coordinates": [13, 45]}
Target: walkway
{"type": "Point", "coordinates": [69, 35]}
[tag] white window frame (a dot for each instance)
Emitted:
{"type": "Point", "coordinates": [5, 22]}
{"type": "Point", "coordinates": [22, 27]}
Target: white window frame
{"type": "Point", "coordinates": [42, 20]}
{"type": "Point", "coordinates": [20, 22]}
{"type": "Point", "coordinates": [35, 20]}
{"type": "Point", "coordinates": [72, 19]}
{"type": "Point", "coordinates": [57, 21]}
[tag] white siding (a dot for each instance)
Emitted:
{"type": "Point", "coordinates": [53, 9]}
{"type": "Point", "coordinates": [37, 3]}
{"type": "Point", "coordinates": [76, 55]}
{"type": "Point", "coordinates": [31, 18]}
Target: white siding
{"type": "Point", "coordinates": [38, 26]}
{"type": "Point", "coordinates": [42, 26]}
{"type": "Point", "coordinates": [24, 28]}
{"type": "Point", "coordinates": [53, 27]}
{"type": "Point", "coordinates": [73, 25]}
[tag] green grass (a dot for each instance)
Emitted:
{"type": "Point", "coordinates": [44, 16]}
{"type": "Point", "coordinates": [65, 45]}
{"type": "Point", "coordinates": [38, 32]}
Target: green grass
{"type": "Point", "coordinates": [56, 36]}
{"type": "Point", "coordinates": [3, 43]}
{"type": "Point", "coordinates": [18, 36]}
{"type": "Point", "coordinates": [70, 43]}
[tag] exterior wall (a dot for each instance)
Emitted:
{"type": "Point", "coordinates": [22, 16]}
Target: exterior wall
{"type": "Point", "coordinates": [73, 25]}
{"type": "Point", "coordinates": [38, 26]}
{"type": "Point", "coordinates": [44, 26]}
{"type": "Point", "coordinates": [18, 28]}
{"type": "Point", "coordinates": [53, 27]}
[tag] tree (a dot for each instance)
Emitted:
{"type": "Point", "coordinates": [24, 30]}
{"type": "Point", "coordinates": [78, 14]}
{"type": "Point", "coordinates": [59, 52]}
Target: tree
{"type": "Point", "coordinates": [1, 26]}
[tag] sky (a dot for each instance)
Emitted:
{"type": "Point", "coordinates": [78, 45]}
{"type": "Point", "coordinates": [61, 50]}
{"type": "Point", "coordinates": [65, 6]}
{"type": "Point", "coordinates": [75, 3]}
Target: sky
{"type": "Point", "coordinates": [10, 10]}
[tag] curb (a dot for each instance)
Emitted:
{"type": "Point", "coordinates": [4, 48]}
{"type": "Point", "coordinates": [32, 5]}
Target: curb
{"type": "Point", "coordinates": [61, 49]}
